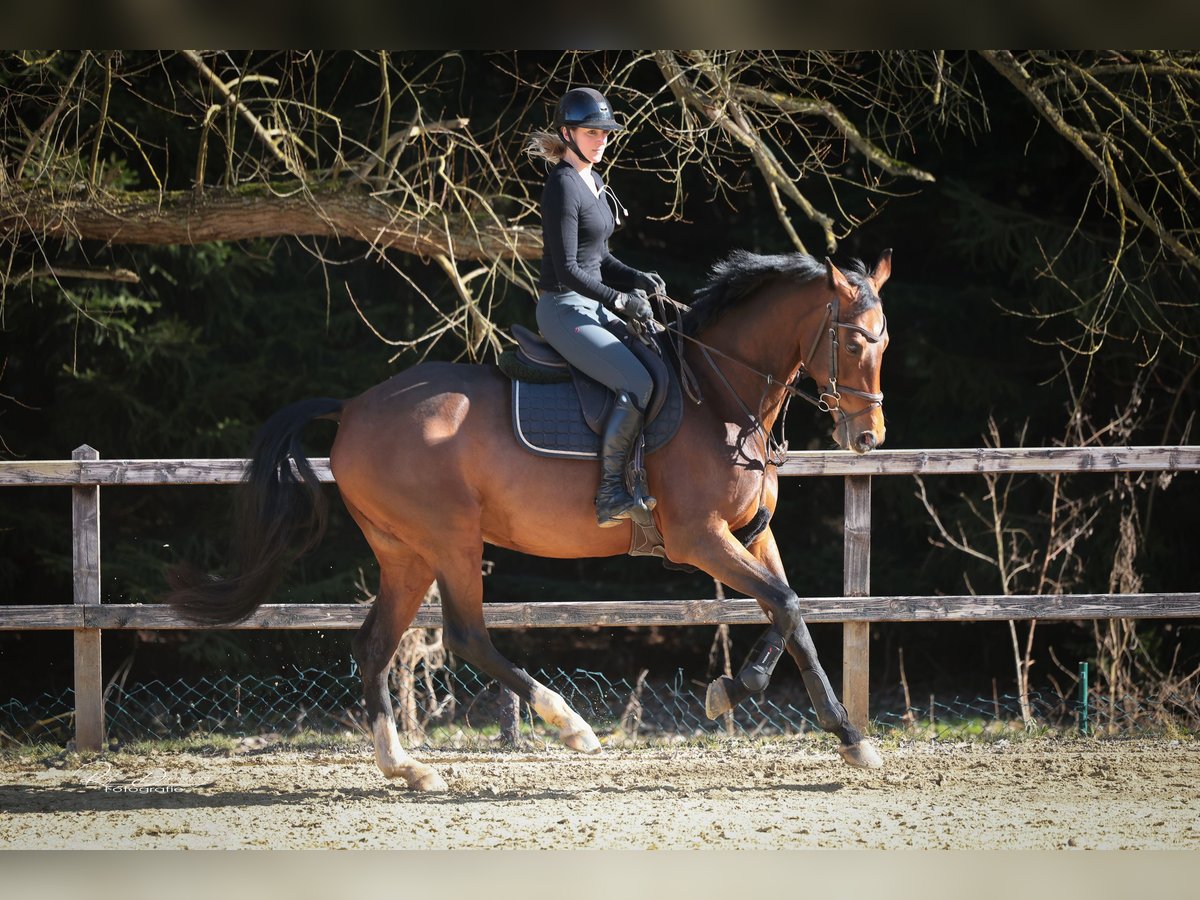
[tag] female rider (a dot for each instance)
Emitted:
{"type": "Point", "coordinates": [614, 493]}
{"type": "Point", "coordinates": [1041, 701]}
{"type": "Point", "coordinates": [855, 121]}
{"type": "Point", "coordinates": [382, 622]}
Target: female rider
{"type": "Point", "coordinates": [582, 284]}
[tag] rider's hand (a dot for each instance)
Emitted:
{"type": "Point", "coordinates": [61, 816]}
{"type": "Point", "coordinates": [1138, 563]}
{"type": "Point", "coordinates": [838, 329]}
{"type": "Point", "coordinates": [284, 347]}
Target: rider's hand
{"type": "Point", "coordinates": [652, 283]}
{"type": "Point", "coordinates": [634, 305]}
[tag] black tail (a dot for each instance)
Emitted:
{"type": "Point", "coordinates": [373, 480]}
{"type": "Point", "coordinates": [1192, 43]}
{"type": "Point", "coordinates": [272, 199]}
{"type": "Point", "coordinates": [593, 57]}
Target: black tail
{"type": "Point", "coordinates": [278, 517]}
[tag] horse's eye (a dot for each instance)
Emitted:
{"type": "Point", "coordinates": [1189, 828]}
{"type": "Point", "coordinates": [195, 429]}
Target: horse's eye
{"type": "Point", "coordinates": [854, 347]}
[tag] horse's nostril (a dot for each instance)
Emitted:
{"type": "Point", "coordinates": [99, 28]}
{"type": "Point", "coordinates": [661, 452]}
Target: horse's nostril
{"type": "Point", "coordinates": [866, 441]}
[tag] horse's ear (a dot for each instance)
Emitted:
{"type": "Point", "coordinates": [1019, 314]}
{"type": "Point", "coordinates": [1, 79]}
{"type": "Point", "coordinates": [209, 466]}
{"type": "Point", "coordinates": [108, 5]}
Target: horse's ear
{"type": "Point", "coordinates": [837, 281]}
{"type": "Point", "coordinates": [882, 271]}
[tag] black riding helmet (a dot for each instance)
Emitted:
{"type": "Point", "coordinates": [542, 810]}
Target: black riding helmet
{"type": "Point", "coordinates": [585, 108]}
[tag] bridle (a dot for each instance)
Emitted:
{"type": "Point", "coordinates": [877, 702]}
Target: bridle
{"type": "Point", "coordinates": [827, 399]}
{"type": "Point", "coordinates": [830, 325]}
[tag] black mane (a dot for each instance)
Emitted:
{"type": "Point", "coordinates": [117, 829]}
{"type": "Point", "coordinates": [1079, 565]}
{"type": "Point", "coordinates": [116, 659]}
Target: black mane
{"type": "Point", "coordinates": [740, 273]}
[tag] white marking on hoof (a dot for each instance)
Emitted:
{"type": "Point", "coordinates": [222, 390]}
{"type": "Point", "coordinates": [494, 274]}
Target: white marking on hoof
{"type": "Point", "coordinates": [430, 782]}
{"type": "Point", "coordinates": [583, 741]}
{"type": "Point", "coordinates": [716, 699]}
{"type": "Point", "coordinates": [573, 731]}
{"type": "Point", "coordinates": [393, 762]}
{"type": "Point", "coordinates": [862, 755]}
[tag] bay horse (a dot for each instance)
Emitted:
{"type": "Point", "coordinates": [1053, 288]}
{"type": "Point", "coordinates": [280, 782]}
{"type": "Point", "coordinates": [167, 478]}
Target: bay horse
{"type": "Point", "coordinates": [429, 469]}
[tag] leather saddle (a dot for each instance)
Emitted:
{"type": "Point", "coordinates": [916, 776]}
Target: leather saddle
{"type": "Point", "coordinates": [559, 411]}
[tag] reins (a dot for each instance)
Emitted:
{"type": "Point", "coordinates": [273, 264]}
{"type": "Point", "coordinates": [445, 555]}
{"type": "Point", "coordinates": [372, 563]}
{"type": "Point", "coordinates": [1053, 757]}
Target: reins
{"type": "Point", "coordinates": [827, 400]}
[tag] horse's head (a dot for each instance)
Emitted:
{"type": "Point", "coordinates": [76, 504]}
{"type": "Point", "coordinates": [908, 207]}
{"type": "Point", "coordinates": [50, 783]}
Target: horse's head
{"type": "Point", "coordinates": [847, 353]}
{"type": "Point", "coordinates": [807, 319]}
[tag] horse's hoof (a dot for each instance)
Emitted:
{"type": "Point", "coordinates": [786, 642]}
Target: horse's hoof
{"type": "Point", "coordinates": [583, 741]}
{"type": "Point", "coordinates": [862, 755]}
{"type": "Point", "coordinates": [431, 782]}
{"type": "Point", "coordinates": [716, 700]}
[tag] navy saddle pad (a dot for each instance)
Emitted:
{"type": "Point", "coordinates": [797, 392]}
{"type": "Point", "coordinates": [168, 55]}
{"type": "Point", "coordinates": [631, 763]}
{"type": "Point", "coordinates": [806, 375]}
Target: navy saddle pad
{"type": "Point", "coordinates": [548, 421]}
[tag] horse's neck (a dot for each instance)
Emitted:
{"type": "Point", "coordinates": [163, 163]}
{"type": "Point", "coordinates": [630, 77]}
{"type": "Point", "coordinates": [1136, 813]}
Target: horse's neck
{"type": "Point", "coordinates": [767, 334]}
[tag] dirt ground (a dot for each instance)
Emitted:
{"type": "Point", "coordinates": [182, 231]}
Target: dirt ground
{"type": "Point", "coordinates": [787, 793]}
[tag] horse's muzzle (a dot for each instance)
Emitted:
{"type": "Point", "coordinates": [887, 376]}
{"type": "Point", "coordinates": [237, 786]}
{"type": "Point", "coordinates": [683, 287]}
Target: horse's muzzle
{"type": "Point", "coordinates": [865, 442]}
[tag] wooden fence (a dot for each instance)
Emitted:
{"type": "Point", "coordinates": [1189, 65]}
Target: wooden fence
{"type": "Point", "coordinates": [85, 473]}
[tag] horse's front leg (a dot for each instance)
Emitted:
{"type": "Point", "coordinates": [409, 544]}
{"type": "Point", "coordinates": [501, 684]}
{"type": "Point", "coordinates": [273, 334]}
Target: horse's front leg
{"type": "Point", "coordinates": [760, 575]}
{"type": "Point", "coordinates": [726, 693]}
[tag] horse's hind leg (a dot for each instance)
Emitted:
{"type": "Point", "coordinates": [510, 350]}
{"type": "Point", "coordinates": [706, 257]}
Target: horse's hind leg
{"type": "Point", "coordinates": [403, 580]}
{"type": "Point", "coordinates": [460, 580]}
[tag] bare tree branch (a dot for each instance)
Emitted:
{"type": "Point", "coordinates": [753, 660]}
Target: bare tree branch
{"type": "Point", "coordinates": [183, 218]}
{"type": "Point", "coordinates": [124, 275]}
{"type": "Point", "coordinates": [827, 110]}
{"type": "Point", "coordinates": [1100, 159]}
{"type": "Point", "coordinates": [289, 162]}
{"type": "Point", "coordinates": [35, 141]}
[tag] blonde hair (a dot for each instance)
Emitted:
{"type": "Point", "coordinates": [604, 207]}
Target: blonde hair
{"type": "Point", "coordinates": [546, 145]}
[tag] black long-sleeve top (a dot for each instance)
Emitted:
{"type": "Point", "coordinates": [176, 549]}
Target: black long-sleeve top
{"type": "Point", "coordinates": [576, 226]}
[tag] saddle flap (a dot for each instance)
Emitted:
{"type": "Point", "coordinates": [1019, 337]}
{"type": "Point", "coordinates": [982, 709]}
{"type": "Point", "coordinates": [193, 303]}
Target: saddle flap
{"type": "Point", "coordinates": [655, 364]}
{"type": "Point", "coordinates": [548, 420]}
{"type": "Point", "coordinates": [595, 400]}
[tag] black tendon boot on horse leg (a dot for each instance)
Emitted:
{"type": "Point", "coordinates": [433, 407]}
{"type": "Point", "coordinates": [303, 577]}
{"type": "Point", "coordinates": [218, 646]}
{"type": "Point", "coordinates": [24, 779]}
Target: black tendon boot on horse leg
{"type": "Point", "coordinates": [831, 715]}
{"type": "Point", "coordinates": [613, 500]}
{"type": "Point", "coordinates": [725, 693]}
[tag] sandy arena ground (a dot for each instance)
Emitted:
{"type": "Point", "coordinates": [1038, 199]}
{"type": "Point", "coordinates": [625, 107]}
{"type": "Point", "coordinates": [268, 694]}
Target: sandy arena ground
{"type": "Point", "coordinates": [793, 793]}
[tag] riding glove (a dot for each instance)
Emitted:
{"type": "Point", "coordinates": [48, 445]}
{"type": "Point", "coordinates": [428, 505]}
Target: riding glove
{"type": "Point", "coordinates": [652, 283]}
{"type": "Point", "coordinates": [634, 305]}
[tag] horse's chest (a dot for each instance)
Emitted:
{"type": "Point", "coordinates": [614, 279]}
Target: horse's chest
{"type": "Point", "coordinates": [746, 475]}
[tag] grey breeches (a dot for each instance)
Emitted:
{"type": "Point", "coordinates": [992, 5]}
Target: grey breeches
{"type": "Point", "coordinates": [574, 326]}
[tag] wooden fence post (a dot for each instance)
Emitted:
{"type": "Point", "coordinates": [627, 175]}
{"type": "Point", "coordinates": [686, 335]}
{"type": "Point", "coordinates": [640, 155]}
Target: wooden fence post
{"type": "Point", "coordinates": [856, 636]}
{"type": "Point", "coordinates": [89, 682]}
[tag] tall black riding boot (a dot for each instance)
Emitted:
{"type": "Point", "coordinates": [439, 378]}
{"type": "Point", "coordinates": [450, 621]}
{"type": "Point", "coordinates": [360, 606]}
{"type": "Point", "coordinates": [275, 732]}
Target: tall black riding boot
{"type": "Point", "coordinates": [613, 500]}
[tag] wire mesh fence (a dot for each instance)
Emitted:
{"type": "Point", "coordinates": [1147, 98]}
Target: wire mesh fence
{"type": "Point", "coordinates": [458, 707]}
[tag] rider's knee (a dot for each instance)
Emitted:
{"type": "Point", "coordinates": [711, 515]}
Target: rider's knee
{"type": "Point", "coordinates": [640, 391]}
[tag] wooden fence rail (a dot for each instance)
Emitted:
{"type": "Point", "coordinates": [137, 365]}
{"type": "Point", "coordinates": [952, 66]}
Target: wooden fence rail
{"type": "Point", "coordinates": [1046, 460]}
{"type": "Point", "coordinates": [87, 617]}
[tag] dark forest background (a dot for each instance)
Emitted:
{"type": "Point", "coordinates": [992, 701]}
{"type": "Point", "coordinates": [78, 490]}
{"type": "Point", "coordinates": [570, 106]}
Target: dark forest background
{"type": "Point", "coordinates": [1027, 305]}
